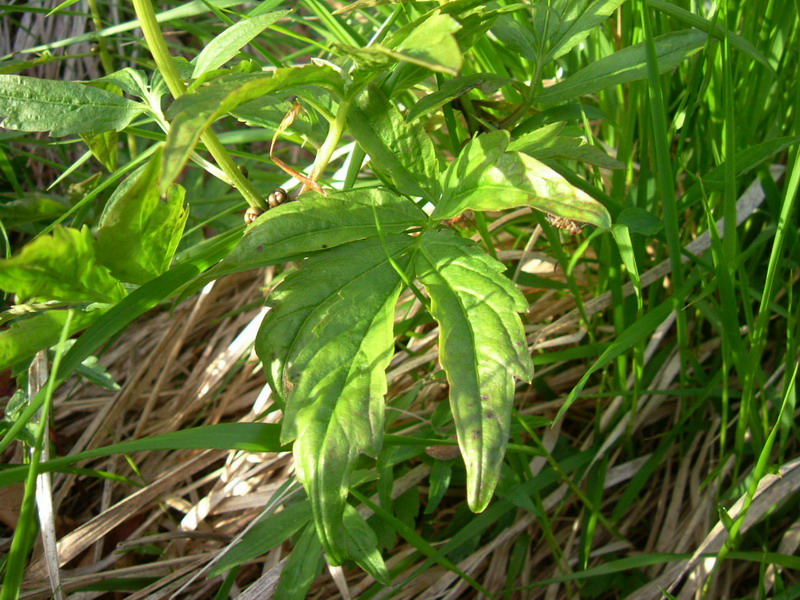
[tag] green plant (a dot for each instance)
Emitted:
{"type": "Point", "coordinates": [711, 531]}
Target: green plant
{"type": "Point", "coordinates": [329, 338]}
{"type": "Point", "coordinates": [378, 250]}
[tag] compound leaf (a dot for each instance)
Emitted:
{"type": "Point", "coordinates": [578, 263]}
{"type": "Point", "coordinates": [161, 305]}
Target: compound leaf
{"type": "Point", "coordinates": [62, 107]}
{"type": "Point", "coordinates": [453, 88]}
{"type": "Point", "coordinates": [325, 345]}
{"type": "Point", "coordinates": [482, 348]}
{"type": "Point", "coordinates": [577, 21]}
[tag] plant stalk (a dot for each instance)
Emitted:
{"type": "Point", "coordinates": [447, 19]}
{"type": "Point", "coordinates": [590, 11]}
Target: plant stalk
{"type": "Point", "coordinates": [169, 70]}
{"type": "Point", "coordinates": [328, 147]}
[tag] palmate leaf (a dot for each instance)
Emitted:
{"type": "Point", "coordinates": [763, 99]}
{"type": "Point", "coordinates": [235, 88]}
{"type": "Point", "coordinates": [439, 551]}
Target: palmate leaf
{"type": "Point", "coordinates": [486, 177]}
{"type": "Point", "coordinates": [61, 266]}
{"type": "Point", "coordinates": [482, 348]}
{"type": "Point", "coordinates": [62, 107]}
{"type": "Point", "coordinates": [325, 347]}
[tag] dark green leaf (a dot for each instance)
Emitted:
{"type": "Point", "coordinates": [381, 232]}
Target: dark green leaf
{"type": "Point", "coordinates": [452, 89]}
{"type": "Point", "coordinates": [404, 152]}
{"type": "Point", "coordinates": [325, 346]}
{"type": "Point", "coordinates": [634, 333]}
{"type": "Point", "coordinates": [30, 208]}
{"type": "Point", "coordinates": [302, 567]}
{"type": "Point", "coordinates": [139, 229]}
{"type": "Point", "coordinates": [629, 64]}
{"type": "Point", "coordinates": [439, 482]}
{"type": "Point", "coordinates": [60, 266]}
{"type": "Point", "coordinates": [228, 43]}
{"type": "Point", "coordinates": [485, 177]}
{"type": "Point", "coordinates": [638, 220]}
{"type": "Point", "coordinates": [745, 161]}
{"type": "Point", "coordinates": [717, 29]}
{"type": "Point", "coordinates": [95, 372]}
{"type": "Point", "coordinates": [265, 535]}
{"type": "Point", "coordinates": [62, 107]}
{"type": "Point", "coordinates": [317, 222]}
{"type": "Point", "coordinates": [516, 37]}
{"type": "Point", "coordinates": [476, 18]}
{"type": "Point", "coordinates": [482, 348]}
{"type": "Point", "coordinates": [362, 545]}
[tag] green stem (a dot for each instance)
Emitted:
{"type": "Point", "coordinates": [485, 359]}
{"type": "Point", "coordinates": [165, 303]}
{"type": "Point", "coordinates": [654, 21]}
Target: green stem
{"type": "Point", "coordinates": [328, 147]}
{"type": "Point", "coordinates": [105, 56]}
{"type": "Point", "coordinates": [169, 71]}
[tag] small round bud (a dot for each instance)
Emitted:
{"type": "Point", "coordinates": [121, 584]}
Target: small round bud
{"type": "Point", "coordinates": [251, 214]}
{"type": "Point", "coordinates": [279, 196]}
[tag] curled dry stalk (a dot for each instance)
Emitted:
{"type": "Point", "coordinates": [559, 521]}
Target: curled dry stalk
{"type": "Point", "coordinates": [286, 122]}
